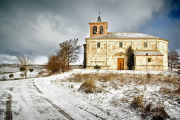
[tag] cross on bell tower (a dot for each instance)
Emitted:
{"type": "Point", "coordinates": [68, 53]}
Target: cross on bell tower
{"type": "Point", "coordinates": [98, 28]}
{"type": "Point", "coordinates": [99, 18]}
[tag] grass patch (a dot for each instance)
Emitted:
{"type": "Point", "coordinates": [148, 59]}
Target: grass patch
{"type": "Point", "coordinates": [89, 86]}
{"type": "Point", "coordinates": [159, 114]}
{"type": "Point", "coordinates": [178, 90]}
{"type": "Point", "coordinates": [137, 102]}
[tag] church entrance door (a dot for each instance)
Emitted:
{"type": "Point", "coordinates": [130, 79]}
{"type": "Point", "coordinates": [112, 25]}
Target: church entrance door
{"type": "Point", "coordinates": [120, 65]}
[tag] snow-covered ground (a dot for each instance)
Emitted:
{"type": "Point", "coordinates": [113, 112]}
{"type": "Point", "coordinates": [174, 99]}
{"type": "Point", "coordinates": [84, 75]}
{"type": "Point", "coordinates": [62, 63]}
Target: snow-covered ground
{"type": "Point", "coordinates": [8, 69]}
{"type": "Point", "coordinates": [56, 98]}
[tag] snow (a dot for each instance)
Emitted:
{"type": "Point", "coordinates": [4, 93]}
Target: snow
{"type": "Point", "coordinates": [15, 71]}
{"type": "Point", "coordinates": [125, 35]}
{"type": "Point", "coordinates": [55, 98]}
{"type": "Point", "coordinates": [8, 69]}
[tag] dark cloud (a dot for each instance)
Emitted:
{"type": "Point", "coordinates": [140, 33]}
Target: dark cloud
{"type": "Point", "coordinates": [175, 9]}
{"type": "Point", "coordinates": [36, 27]}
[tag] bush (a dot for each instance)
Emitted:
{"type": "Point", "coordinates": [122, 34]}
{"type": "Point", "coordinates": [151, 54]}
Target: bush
{"type": "Point", "coordinates": [97, 67]}
{"type": "Point", "coordinates": [165, 90]}
{"type": "Point", "coordinates": [11, 75]}
{"type": "Point", "coordinates": [4, 78]}
{"type": "Point", "coordinates": [115, 101]}
{"type": "Point", "coordinates": [133, 67]}
{"type": "Point", "coordinates": [147, 108]}
{"type": "Point", "coordinates": [148, 76]}
{"type": "Point", "coordinates": [22, 69]}
{"type": "Point", "coordinates": [30, 70]}
{"type": "Point", "coordinates": [137, 102]}
{"type": "Point", "coordinates": [22, 75]}
{"type": "Point", "coordinates": [89, 86]}
{"type": "Point", "coordinates": [54, 64]}
{"type": "Point", "coordinates": [178, 90]}
{"type": "Point", "coordinates": [146, 111]}
{"type": "Point", "coordinates": [41, 72]}
{"type": "Point", "coordinates": [130, 57]}
{"type": "Point", "coordinates": [159, 114]}
{"type": "Point", "coordinates": [178, 72]}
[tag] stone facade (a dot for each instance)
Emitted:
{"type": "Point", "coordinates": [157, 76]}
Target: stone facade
{"type": "Point", "coordinates": [108, 50]}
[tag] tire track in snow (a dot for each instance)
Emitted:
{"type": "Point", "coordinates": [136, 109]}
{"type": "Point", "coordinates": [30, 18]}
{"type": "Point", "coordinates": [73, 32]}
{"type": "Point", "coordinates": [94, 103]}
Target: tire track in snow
{"type": "Point", "coordinates": [91, 113]}
{"type": "Point", "coordinates": [54, 105]}
{"type": "Point", "coordinates": [79, 108]}
{"type": "Point", "coordinates": [8, 108]}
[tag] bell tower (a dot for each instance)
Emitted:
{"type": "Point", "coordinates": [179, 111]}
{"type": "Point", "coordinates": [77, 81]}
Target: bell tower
{"type": "Point", "coordinates": [98, 28]}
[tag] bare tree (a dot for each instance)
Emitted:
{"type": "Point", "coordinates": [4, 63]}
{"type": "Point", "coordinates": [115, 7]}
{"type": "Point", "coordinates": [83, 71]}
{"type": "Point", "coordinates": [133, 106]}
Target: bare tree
{"type": "Point", "coordinates": [173, 59]}
{"type": "Point", "coordinates": [69, 52]}
{"type": "Point", "coordinates": [25, 62]}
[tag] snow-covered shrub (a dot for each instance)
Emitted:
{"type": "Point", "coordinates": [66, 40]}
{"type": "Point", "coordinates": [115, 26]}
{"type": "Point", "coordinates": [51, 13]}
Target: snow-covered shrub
{"type": "Point", "coordinates": [165, 90]}
{"type": "Point", "coordinates": [22, 75]}
{"type": "Point", "coordinates": [80, 77]}
{"type": "Point", "coordinates": [75, 78]}
{"type": "Point", "coordinates": [147, 108]}
{"type": "Point", "coordinates": [4, 78]}
{"type": "Point", "coordinates": [148, 76]}
{"type": "Point", "coordinates": [11, 75]}
{"type": "Point", "coordinates": [31, 70]}
{"type": "Point", "coordinates": [22, 69]}
{"type": "Point", "coordinates": [178, 72]}
{"type": "Point", "coordinates": [137, 102]}
{"type": "Point", "coordinates": [41, 72]}
{"type": "Point", "coordinates": [115, 101]}
{"type": "Point", "coordinates": [124, 100]}
{"type": "Point", "coordinates": [178, 90]}
{"type": "Point", "coordinates": [159, 114]}
{"type": "Point", "coordinates": [89, 86]}
{"type": "Point", "coordinates": [146, 111]}
{"type": "Point", "coordinates": [108, 77]}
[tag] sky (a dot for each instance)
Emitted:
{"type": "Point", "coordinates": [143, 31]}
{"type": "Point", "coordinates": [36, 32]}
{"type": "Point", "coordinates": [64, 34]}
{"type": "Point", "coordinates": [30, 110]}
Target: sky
{"type": "Point", "coordinates": [36, 27]}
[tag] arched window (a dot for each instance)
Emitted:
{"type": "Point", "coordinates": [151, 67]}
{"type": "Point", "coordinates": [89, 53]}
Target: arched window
{"type": "Point", "coordinates": [94, 29]}
{"type": "Point", "coordinates": [101, 30]}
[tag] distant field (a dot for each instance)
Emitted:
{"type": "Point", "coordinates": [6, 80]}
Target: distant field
{"type": "Point", "coordinates": [8, 70]}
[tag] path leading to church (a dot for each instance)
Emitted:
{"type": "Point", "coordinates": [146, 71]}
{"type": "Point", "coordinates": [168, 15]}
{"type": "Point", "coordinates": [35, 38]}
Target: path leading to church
{"type": "Point", "coordinates": [38, 100]}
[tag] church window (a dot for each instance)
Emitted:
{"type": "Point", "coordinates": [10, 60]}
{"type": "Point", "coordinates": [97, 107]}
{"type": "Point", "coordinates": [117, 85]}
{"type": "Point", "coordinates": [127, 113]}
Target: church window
{"type": "Point", "coordinates": [120, 44]}
{"type": "Point", "coordinates": [149, 59]}
{"type": "Point", "coordinates": [94, 29]}
{"type": "Point", "coordinates": [101, 30]}
{"type": "Point", "coordinates": [145, 44]}
{"type": "Point", "coordinates": [98, 44]}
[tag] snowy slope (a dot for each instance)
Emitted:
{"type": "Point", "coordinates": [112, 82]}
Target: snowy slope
{"type": "Point", "coordinates": [53, 98]}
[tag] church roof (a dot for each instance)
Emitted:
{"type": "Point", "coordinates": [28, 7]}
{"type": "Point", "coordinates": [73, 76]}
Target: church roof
{"type": "Point", "coordinates": [150, 53]}
{"type": "Point", "coordinates": [123, 35]}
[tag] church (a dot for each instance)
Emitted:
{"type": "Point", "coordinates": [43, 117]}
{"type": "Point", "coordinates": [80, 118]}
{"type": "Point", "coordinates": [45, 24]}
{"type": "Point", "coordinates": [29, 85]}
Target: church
{"type": "Point", "coordinates": [108, 49]}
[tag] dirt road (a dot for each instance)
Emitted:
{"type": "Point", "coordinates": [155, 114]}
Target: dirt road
{"type": "Point", "coordinates": [29, 100]}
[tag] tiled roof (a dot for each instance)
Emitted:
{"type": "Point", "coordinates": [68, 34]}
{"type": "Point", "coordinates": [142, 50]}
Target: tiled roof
{"type": "Point", "coordinates": [124, 35]}
{"type": "Point", "coordinates": [148, 52]}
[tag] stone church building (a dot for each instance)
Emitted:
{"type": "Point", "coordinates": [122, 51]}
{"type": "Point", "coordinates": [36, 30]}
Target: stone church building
{"type": "Point", "coordinates": [108, 49]}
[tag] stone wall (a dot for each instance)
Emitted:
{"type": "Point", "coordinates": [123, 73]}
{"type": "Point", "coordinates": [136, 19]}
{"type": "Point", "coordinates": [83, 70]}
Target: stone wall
{"type": "Point", "coordinates": [143, 64]}
{"type": "Point", "coordinates": [162, 47]}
